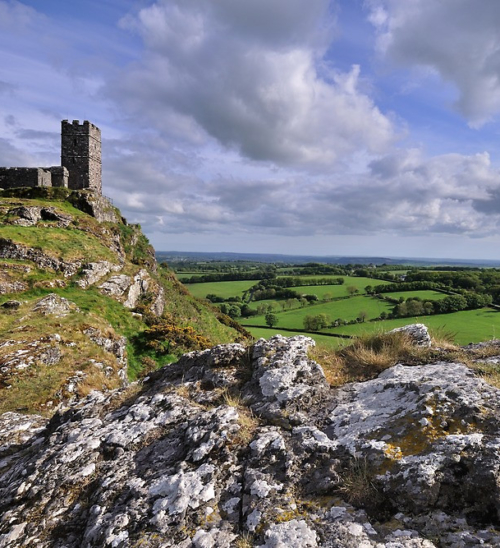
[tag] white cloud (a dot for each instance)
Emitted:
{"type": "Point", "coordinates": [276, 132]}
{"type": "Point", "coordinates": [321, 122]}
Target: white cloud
{"type": "Point", "coordinates": [253, 76]}
{"type": "Point", "coordinates": [458, 39]}
{"type": "Point", "coordinates": [404, 193]}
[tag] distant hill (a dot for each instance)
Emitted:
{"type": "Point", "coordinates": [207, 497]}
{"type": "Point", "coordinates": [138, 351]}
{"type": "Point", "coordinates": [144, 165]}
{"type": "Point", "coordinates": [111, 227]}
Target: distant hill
{"type": "Point", "coordinates": [336, 259]}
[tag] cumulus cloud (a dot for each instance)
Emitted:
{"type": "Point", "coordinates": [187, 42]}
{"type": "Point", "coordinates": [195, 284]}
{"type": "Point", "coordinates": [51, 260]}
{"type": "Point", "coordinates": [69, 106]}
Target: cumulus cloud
{"type": "Point", "coordinates": [253, 76]}
{"type": "Point", "coordinates": [457, 39]}
{"type": "Point", "coordinates": [403, 193]}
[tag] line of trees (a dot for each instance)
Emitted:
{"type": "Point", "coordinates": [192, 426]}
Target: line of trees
{"type": "Point", "coordinates": [451, 303]}
{"type": "Point", "coordinates": [231, 276]}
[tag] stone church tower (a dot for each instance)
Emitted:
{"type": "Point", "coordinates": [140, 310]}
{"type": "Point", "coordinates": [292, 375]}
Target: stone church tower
{"type": "Point", "coordinates": [81, 155]}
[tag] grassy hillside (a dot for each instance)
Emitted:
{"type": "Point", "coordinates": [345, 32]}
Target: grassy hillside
{"type": "Point", "coordinates": [113, 305]}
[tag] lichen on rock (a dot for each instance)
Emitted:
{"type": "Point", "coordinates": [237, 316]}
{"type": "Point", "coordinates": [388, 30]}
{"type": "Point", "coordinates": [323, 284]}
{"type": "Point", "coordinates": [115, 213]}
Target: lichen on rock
{"type": "Point", "coordinates": [409, 459]}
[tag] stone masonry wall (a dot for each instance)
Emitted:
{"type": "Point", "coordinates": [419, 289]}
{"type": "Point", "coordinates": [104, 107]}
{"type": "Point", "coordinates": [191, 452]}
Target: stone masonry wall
{"type": "Point", "coordinates": [81, 155]}
{"type": "Point", "coordinates": [16, 177]}
{"type": "Point", "coordinates": [60, 176]}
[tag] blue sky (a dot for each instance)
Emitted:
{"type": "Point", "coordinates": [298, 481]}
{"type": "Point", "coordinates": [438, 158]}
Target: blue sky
{"type": "Point", "coordinates": [358, 127]}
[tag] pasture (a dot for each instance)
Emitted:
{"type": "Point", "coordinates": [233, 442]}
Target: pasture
{"type": "Point", "coordinates": [423, 295]}
{"type": "Point", "coordinates": [345, 309]}
{"type": "Point", "coordinates": [467, 326]}
{"type": "Point", "coordinates": [338, 304]}
{"type": "Point", "coordinates": [221, 289]}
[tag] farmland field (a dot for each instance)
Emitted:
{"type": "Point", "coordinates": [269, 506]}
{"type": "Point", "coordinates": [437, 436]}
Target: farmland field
{"type": "Point", "coordinates": [346, 309]}
{"type": "Point", "coordinates": [424, 295]}
{"type": "Point", "coordinates": [221, 289]}
{"type": "Point", "coordinates": [337, 303]}
{"type": "Point", "coordinates": [359, 282]}
{"type": "Point", "coordinates": [467, 325]}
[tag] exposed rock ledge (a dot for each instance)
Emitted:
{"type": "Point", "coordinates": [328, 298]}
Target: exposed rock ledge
{"type": "Point", "coordinates": [176, 465]}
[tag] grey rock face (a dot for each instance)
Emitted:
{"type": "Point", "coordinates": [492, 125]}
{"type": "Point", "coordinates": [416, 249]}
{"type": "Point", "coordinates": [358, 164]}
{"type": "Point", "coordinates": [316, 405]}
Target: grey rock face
{"type": "Point", "coordinates": [127, 287]}
{"type": "Point", "coordinates": [417, 332]}
{"type": "Point", "coordinates": [29, 216]}
{"type": "Point", "coordinates": [115, 345]}
{"type": "Point", "coordinates": [12, 287]}
{"type": "Point", "coordinates": [116, 285]}
{"type": "Point", "coordinates": [91, 273]}
{"type": "Point", "coordinates": [11, 250]}
{"type": "Point", "coordinates": [130, 290]}
{"type": "Point", "coordinates": [410, 456]}
{"type": "Point", "coordinates": [98, 206]}
{"type": "Point", "coordinates": [54, 304]}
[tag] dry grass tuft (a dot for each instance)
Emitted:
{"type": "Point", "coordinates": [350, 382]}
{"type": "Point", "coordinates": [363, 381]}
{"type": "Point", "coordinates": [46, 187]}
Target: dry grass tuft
{"type": "Point", "coordinates": [247, 420]}
{"type": "Point", "coordinates": [95, 379]}
{"type": "Point", "coordinates": [244, 541]}
{"type": "Point", "coordinates": [357, 483]}
{"type": "Point", "coordinates": [367, 356]}
{"type": "Point", "coordinates": [443, 339]}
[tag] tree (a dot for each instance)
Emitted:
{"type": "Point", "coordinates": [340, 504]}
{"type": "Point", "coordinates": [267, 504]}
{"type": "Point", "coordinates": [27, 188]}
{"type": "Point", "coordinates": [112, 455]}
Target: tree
{"type": "Point", "coordinates": [234, 311]}
{"type": "Point", "coordinates": [309, 323]}
{"type": "Point", "coordinates": [414, 307]}
{"type": "Point", "coordinates": [352, 290]}
{"type": "Point", "coordinates": [362, 316]}
{"type": "Point", "coordinates": [315, 323]}
{"type": "Point", "coordinates": [271, 319]}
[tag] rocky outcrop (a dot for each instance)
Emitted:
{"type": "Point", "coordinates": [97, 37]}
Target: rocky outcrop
{"type": "Point", "coordinates": [95, 205]}
{"type": "Point", "coordinates": [55, 305]}
{"type": "Point", "coordinates": [11, 250]}
{"type": "Point", "coordinates": [113, 344]}
{"type": "Point", "coordinates": [30, 215]}
{"type": "Point", "coordinates": [12, 287]}
{"type": "Point", "coordinates": [234, 445]}
{"type": "Point", "coordinates": [131, 289]}
{"type": "Point", "coordinates": [91, 273]}
{"type": "Point", "coordinates": [19, 355]}
{"type": "Point", "coordinates": [417, 332]}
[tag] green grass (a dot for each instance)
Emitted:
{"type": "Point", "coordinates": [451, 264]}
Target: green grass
{"type": "Point", "coordinates": [236, 289]}
{"type": "Point", "coordinates": [346, 309]}
{"type": "Point", "coordinates": [221, 289]}
{"type": "Point", "coordinates": [321, 340]}
{"type": "Point", "coordinates": [468, 325]}
{"type": "Point", "coordinates": [62, 243]}
{"type": "Point", "coordinates": [359, 282]}
{"type": "Point", "coordinates": [424, 295]}
{"type": "Point", "coordinates": [61, 206]}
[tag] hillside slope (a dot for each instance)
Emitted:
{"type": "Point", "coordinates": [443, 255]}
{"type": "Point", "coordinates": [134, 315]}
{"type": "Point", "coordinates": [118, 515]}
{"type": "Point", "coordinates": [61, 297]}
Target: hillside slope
{"type": "Point", "coordinates": [83, 303]}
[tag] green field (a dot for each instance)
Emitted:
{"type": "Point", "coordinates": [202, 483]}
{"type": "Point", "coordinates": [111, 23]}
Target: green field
{"type": "Point", "coordinates": [358, 282]}
{"type": "Point", "coordinates": [346, 309]}
{"type": "Point", "coordinates": [321, 340]}
{"type": "Point", "coordinates": [423, 295]}
{"type": "Point", "coordinates": [221, 289]}
{"type": "Point", "coordinates": [468, 325]}
{"type": "Point", "coordinates": [236, 289]}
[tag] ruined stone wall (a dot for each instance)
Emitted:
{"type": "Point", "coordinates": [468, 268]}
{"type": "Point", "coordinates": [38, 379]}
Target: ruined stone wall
{"type": "Point", "coordinates": [17, 177]}
{"type": "Point", "coordinates": [81, 155]}
{"type": "Point", "coordinates": [60, 176]}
